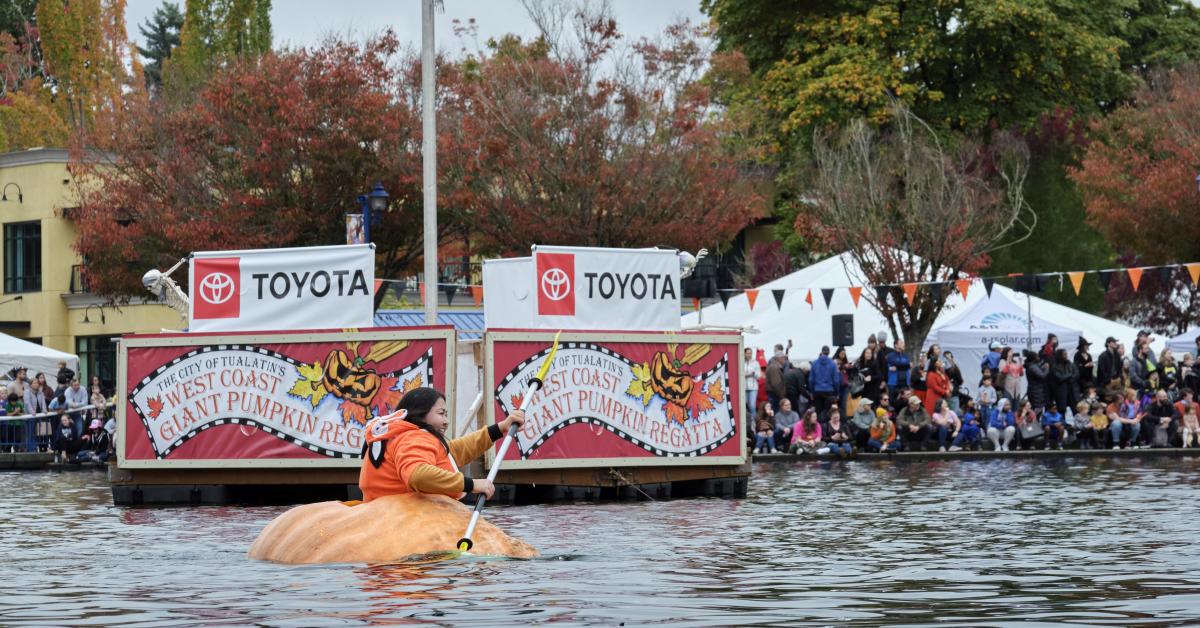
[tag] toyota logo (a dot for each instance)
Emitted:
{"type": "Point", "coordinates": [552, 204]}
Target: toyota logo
{"type": "Point", "coordinates": [216, 288]}
{"type": "Point", "coordinates": [555, 284]}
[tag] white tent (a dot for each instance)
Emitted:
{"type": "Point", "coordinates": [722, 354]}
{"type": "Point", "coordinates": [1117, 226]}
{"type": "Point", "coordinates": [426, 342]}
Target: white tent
{"type": "Point", "coordinates": [15, 352]}
{"type": "Point", "coordinates": [970, 332]}
{"type": "Point", "coordinates": [810, 327]}
{"type": "Point", "coordinates": [1184, 343]}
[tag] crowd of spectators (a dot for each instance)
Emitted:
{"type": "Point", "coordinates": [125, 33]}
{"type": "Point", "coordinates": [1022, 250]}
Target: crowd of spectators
{"type": "Point", "coordinates": [885, 401]}
{"type": "Point", "coordinates": [74, 422]}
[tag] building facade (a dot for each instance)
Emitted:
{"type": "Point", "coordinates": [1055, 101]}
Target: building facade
{"type": "Point", "coordinates": [44, 298]}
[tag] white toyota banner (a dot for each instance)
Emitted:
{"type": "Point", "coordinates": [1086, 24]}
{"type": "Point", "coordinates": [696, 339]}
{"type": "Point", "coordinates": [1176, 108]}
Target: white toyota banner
{"type": "Point", "coordinates": [280, 289]}
{"type": "Point", "coordinates": [594, 288]}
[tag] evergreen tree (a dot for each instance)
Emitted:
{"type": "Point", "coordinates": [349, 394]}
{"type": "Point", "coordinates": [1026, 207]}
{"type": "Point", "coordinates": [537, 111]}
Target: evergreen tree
{"type": "Point", "coordinates": [161, 32]}
{"type": "Point", "coordinates": [216, 31]}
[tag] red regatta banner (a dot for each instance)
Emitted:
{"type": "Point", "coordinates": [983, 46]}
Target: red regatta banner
{"type": "Point", "coordinates": [634, 399]}
{"type": "Point", "coordinates": [268, 398]}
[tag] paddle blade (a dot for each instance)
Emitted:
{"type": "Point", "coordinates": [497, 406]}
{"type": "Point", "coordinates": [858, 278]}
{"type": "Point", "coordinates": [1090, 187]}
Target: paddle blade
{"type": "Point", "coordinates": [465, 545]}
{"type": "Point", "coordinates": [550, 358]}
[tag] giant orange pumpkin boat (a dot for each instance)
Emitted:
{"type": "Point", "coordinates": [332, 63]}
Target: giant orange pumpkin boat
{"type": "Point", "coordinates": [386, 529]}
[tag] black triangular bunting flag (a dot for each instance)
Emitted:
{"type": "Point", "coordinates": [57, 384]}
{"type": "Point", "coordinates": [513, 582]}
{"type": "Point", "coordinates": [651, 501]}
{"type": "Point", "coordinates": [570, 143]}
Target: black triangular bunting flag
{"type": "Point", "coordinates": [881, 293]}
{"type": "Point", "coordinates": [778, 294]}
{"type": "Point", "coordinates": [450, 290]}
{"type": "Point", "coordinates": [1165, 273]}
{"type": "Point", "coordinates": [935, 290]}
{"type": "Point", "coordinates": [1039, 282]}
{"type": "Point", "coordinates": [827, 294]}
{"type": "Point", "coordinates": [724, 295]}
{"type": "Point", "coordinates": [1105, 278]}
{"type": "Point", "coordinates": [987, 285]}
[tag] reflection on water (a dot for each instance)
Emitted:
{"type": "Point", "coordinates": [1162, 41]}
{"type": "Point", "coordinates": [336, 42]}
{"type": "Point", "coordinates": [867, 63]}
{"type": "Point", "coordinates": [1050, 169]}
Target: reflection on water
{"type": "Point", "coordinates": [1111, 542]}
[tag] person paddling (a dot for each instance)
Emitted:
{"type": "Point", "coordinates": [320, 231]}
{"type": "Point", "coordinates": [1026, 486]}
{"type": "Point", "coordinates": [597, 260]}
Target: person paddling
{"type": "Point", "coordinates": [407, 451]}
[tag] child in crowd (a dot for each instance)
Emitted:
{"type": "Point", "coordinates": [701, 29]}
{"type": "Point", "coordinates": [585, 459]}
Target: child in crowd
{"type": "Point", "coordinates": [65, 444]}
{"type": "Point", "coordinates": [1090, 396]}
{"type": "Point", "coordinates": [987, 395]}
{"type": "Point", "coordinates": [1191, 428]}
{"type": "Point", "coordinates": [1002, 426]}
{"type": "Point", "coordinates": [764, 431]}
{"type": "Point", "coordinates": [1054, 426]}
{"type": "Point", "coordinates": [1099, 422]}
{"type": "Point", "coordinates": [970, 432]}
{"type": "Point", "coordinates": [883, 435]}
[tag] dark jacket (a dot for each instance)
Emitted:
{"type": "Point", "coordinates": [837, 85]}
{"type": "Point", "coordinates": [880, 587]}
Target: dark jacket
{"type": "Point", "coordinates": [1063, 377]}
{"type": "Point", "coordinates": [827, 432]}
{"type": "Point", "coordinates": [774, 376]}
{"type": "Point", "coordinates": [873, 379]}
{"type": "Point", "coordinates": [824, 376]}
{"type": "Point", "coordinates": [1108, 368]}
{"type": "Point", "coordinates": [1085, 367]}
{"type": "Point", "coordinates": [796, 385]}
{"type": "Point", "coordinates": [1038, 377]}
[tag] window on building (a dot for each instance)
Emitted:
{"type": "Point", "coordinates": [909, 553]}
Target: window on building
{"type": "Point", "coordinates": [23, 257]}
{"type": "Point", "coordinates": [97, 356]}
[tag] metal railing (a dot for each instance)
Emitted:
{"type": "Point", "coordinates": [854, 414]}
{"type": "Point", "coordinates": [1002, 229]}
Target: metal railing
{"type": "Point", "coordinates": [32, 433]}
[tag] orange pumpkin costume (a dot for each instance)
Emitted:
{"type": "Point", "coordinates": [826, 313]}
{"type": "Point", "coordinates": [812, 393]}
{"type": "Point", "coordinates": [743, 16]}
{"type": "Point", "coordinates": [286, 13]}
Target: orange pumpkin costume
{"type": "Point", "coordinates": [400, 457]}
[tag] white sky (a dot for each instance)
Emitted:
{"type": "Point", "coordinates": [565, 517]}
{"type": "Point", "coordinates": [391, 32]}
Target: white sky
{"type": "Point", "coordinates": [299, 23]}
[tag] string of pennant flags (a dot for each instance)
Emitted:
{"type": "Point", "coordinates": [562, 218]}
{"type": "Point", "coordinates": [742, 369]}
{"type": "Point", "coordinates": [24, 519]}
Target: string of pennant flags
{"type": "Point", "coordinates": [1029, 283]}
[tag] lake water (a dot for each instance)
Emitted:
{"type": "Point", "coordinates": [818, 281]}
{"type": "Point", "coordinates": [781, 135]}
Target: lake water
{"type": "Point", "coordinates": [989, 542]}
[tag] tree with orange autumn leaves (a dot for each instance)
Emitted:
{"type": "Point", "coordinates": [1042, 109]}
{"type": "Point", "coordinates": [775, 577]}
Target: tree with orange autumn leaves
{"type": "Point", "coordinates": [536, 145]}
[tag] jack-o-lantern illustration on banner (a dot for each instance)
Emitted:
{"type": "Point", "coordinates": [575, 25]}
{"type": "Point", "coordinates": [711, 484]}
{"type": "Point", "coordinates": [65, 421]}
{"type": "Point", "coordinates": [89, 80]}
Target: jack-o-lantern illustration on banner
{"type": "Point", "coordinates": [667, 399]}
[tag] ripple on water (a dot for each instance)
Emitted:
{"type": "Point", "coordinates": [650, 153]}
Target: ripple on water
{"type": "Point", "coordinates": [1099, 542]}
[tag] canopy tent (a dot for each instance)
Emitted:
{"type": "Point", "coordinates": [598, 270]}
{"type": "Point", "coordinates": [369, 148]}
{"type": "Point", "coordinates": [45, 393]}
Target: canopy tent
{"type": "Point", "coordinates": [1184, 343]}
{"type": "Point", "coordinates": [970, 333]}
{"type": "Point", "coordinates": [15, 353]}
{"type": "Point", "coordinates": [810, 327]}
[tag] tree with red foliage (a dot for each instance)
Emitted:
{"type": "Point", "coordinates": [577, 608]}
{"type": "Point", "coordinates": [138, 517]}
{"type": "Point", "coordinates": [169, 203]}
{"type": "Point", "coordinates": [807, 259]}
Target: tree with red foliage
{"type": "Point", "coordinates": [269, 152]}
{"type": "Point", "coordinates": [1166, 300]}
{"type": "Point", "coordinates": [1138, 175]}
{"type": "Point", "coordinates": [909, 209]}
{"type": "Point", "coordinates": [585, 143]}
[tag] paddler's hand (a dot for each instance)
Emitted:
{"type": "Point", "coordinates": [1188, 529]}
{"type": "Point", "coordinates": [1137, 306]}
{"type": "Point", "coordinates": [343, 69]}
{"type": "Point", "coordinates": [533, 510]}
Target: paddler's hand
{"type": "Point", "coordinates": [485, 486]}
{"type": "Point", "coordinates": [516, 418]}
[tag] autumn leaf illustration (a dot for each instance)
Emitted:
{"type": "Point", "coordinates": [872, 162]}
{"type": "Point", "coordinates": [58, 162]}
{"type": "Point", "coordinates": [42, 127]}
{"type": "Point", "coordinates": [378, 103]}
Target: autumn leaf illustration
{"type": "Point", "coordinates": [675, 414]}
{"type": "Point", "coordinates": [354, 412]}
{"type": "Point", "coordinates": [413, 384]}
{"type": "Point", "coordinates": [516, 401]}
{"type": "Point", "coordinates": [640, 386]}
{"type": "Point", "coordinates": [388, 397]}
{"type": "Point", "coordinates": [309, 385]}
{"type": "Point", "coordinates": [716, 391]}
{"type": "Point", "coordinates": [156, 406]}
{"type": "Point", "coordinates": [698, 402]}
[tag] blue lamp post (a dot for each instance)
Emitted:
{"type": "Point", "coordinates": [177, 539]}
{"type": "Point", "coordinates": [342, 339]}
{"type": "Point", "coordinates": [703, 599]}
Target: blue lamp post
{"type": "Point", "coordinates": [372, 203]}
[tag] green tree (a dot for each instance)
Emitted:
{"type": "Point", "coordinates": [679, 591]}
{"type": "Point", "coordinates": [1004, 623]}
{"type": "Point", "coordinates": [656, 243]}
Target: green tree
{"type": "Point", "coordinates": [161, 32]}
{"type": "Point", "coordinates": [215, 32]}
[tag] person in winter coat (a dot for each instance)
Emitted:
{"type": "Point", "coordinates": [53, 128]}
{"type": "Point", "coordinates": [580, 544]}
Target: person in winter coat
{"type": "Point", "coordinates": [969, 434]}
{"type": "Point", "coordinates": [937, 386]}
{"type": "Point", "coordinates": [1053, 424]}
{"type": "Point", "coordinates": [836, 434]}
{"type": "Point", "coordinates": [824, 382]}
{"type": "Point", "coordinates": [785, 422]}
{"type": "Point", "coordinates": [407, 451]}
{"type": "Point", "coordinates": [882, 436]}
{"type": "Point", "coordinates": [64, 443]}
{"type": "Point", "coordinates": [872, 378]}
{"type": "Point", "coordinates": [1064, 380]}
{"type": "Point", "coordinates": [914, 425]}
{"type": "Point", "coordinates": [1002, 426]}
{"type": "Point", "coordinates": [1037, 376]}
{"type": "Point", "coordinates": [795, 383]}
{"type": "Point", "coordinates": [776, 388]}
{"type": "Point", "coordinates": [860, 423]}
{"type": "Point", "coordinates": [1085, 366]}
{"type": "Point", "coordinates": [764, 431]}
{"type": "Point", "coordinates": [897, 369]}
{"type": "Point", "coordinates": [95, 443]}
{"type": "Point", "coordinates": [1108, 365]}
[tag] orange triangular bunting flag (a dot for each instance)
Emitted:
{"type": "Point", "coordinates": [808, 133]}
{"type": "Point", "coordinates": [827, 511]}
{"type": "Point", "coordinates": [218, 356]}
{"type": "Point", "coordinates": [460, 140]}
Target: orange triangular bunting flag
{"type": "Point", "coordinates": [1194, 271]}
{"type": "Point", "coordinates": [378, 282]}
{"type": "Point", "coordinates": [1135, 277]}
{"type": "Point", "coordinates": [477, 295]}
{"type": "Point", "coordinates": [808, 299]}
{"type": "Point", "coordinates": [752, 296]}
{"type": "Point", "coordinates": [421, 287]}
{"type": "Point", "coordinates": [963, 285]}
{"type": "Point", "coordinates": [910, 292]}
{"type": "Point", "coordinates": [1076, 280]}
{"type": "Point", "coordinates": [855, 294]}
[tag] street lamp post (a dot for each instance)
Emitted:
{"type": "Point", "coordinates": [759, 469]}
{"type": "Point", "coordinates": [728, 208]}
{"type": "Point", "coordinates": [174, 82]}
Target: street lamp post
{"type": "Point", "coordinates": [429, 162]}
{"type": "Point", "coordinates": [372, 203]}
